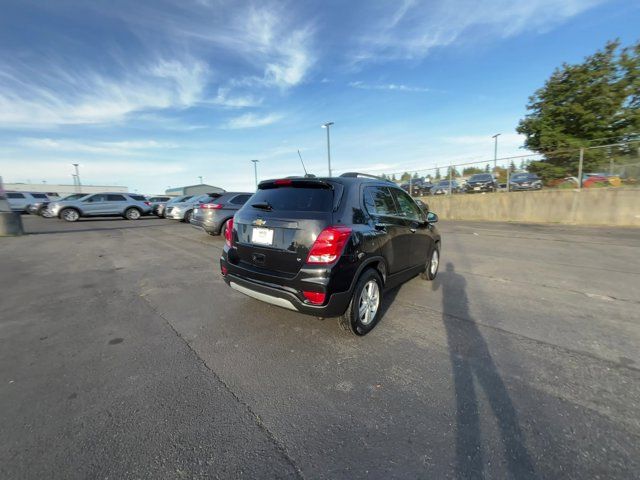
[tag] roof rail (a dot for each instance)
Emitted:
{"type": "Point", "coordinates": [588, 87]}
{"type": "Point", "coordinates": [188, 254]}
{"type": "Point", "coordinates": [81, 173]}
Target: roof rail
{"type": "Point", "coordinates": [365, 175]}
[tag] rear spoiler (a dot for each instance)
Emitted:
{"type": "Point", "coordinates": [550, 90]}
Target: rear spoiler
{"type": "Point", "coordinates": [299, 182]}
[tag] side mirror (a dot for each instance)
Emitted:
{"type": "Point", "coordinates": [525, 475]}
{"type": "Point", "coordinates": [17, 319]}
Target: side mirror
{"type": "Point", "coordinates": [432, 217]}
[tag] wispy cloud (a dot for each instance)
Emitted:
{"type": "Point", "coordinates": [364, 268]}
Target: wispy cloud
{"type": "Point", "coordinates": [127, 147]}
{"type": "Point", "coordinates": [86, 97]}
{"type": "Point", "coordinates": [411, 29]}
{"type": "Point", "coordinates": [388, 86]}
{"type": "Point", "coordinates": [226, 99]}
{"type": "Point", "coordinates": [251, 120]}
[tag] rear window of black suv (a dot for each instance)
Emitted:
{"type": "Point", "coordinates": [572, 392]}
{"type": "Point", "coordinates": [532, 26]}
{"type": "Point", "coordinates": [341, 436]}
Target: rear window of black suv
{"type": "Point", "coordinates": [299, 199]}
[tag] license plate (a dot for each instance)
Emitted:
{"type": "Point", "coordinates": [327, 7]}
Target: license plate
{"type": "Point", "coordinates": [262, 236]}
{"type": "Point", "coordinates": [476, 188]}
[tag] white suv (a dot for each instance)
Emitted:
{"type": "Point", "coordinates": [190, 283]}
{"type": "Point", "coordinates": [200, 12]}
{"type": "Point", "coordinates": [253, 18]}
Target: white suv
{"type": "Point", "coordinates": [31, 202]}
{"type": "Point", "coordinates": [128, 205]}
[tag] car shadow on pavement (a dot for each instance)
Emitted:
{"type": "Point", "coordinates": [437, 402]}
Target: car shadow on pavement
{"type": "Point", "coordinates": [95, 229]}
{"type": "Point", "coordinates": [473, 366]}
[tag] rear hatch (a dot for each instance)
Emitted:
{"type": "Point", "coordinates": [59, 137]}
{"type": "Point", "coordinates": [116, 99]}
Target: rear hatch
{"type": "Point", "coordinates": [207, 207]}
{"type": "Point", "coordinates": [277, 227]}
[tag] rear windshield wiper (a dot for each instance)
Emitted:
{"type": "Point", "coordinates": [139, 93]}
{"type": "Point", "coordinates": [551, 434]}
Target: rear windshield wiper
{"type": "Point", "coordinates": [262, 206]}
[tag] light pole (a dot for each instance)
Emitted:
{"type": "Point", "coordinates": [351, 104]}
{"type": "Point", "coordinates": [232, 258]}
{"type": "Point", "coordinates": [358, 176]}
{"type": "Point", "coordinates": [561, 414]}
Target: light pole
{"type": "Point", "coordinates": [327, 125]}
{"type": "Point", "coordinates": [77, 177]}
{"type": "Point", "coordinates": [495, 152]}
{"type": "Point", "coordinates": [200, 177]}
{"type": "Point", "coordinates": [255, 171]}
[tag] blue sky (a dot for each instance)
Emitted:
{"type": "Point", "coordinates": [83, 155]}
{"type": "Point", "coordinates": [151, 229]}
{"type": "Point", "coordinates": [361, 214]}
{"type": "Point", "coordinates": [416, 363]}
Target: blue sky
{"type": "Point", "coordinates": [154, 94]}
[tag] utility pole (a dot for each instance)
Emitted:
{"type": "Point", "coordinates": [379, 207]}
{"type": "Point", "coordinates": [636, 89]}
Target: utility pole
{"type": "Point", "coordinates": [495, 151]}
{"type": "Point", "coordinates": [327, 125]}
{"type": "Point", "coordinates": [200, 177]}
{"type": "Point", "coordinates": [255, 171]}
{"type": "Point", "coordinates": [580, 166]}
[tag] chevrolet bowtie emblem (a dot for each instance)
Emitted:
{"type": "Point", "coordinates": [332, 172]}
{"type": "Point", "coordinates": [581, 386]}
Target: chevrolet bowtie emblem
{"type": "Point", "coordinates": [259, 222]}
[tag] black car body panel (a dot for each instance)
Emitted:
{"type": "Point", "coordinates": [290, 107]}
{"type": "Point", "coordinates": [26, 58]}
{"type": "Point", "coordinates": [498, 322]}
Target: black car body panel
{"type": "Point", "coordinates": [481, 182]}
{"type": "Point", "coordinates": [279, 272]}
{"type": "Point", "coordinates": [525, 181]}
{"type": "Point", "coordinates": [444, 187]}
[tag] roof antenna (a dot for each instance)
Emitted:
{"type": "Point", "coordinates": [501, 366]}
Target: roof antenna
{"type": "Point", "coordinates": [303, 167]}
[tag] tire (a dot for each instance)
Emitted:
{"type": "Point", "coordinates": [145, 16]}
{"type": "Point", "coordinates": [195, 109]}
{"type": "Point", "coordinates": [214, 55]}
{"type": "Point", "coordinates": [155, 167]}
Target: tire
{"type": "Point", "coordinates": [45, 212]}
{"type": "Point", "coordinates": [225, 226]}
{"type": "Point", "coordinates": [132, 213]}
{"type": "Point", "coordinates": [70, 215]}
{"type": "Point", "coordinates": [187, 217]}
{"type": "Point", "coordinates": [359, 319]}
{"type": "Point", "coordinates": [431, 268]}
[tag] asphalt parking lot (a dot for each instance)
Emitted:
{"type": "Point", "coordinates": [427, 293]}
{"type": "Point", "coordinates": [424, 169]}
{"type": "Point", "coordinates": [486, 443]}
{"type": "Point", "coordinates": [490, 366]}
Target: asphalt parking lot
{"type": "Point", "coordinates": [124, 355]}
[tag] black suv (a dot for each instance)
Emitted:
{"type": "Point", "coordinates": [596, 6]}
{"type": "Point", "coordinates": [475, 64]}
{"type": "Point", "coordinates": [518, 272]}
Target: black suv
{"type": "Point", "coordinates": [329, 247]}
{"type": "Point", "coordinates": [481, 182]}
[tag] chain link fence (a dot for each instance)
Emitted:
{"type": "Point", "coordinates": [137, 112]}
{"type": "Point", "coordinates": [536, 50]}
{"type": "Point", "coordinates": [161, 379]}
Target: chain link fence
{"type": "Point", "coordinates": [615, 165]}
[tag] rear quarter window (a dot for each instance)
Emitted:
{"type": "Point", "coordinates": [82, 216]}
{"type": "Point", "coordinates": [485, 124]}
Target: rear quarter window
{"type": "Point", "coordinates": [379, 201]}
{"type": "Point", "coordinates": [298, 199]}
{"type": "Point", "coordinates": [240, 199]}
{"type": "Point", "coordinates": [39, 195]}
{"type": "Point", "coordinates": [138, 198]}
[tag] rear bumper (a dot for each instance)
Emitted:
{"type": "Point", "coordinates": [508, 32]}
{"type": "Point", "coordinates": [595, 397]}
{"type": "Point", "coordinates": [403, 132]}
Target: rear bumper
{"type": "Point", "coordinates": [285, 297]}
{"type": "Point", "coordinates": [482, 189]}
{"type": "Point", "coordinates": [208, 226]}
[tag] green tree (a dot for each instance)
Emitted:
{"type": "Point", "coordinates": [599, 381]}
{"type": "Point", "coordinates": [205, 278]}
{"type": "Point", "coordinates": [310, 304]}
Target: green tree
{"type": "Point", "coordinates": [393, 178]}
{"type": "Point", "coordinates": [415, 176]}
{"type": "Point", "coordinates": [438, 174]}
{"type": "Point", "coordinates": [512, 166]}
{"type": "Point", "coordinates": [487, 168]}
{"type": "Point", "coordinates": [471, 171]}
{"type": "Point", "coordinates": [452, 172]}
{"type": "Point", "coordinates": [592, 103]}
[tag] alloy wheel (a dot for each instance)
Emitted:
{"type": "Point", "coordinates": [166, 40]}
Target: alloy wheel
{"type": "Point", "coordinates": [369, 302]}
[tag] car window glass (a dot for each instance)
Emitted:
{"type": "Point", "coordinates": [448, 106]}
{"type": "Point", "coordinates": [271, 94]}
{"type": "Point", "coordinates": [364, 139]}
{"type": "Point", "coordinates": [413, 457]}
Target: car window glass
{"type": "Point", "coordinates": [96, 198]}
{"type": "Point", "coordinates": [39, 195]}
{"type": "Point", "coordinates": [296, 199]}
{"type": "Point", "coordinates": [138, 198]}
{"type": "Point", "coordinates": [379, 201]}
{"type": "Point", "coordinates": [240, 199]}
{"type": "Point", "coordinates": [15, 195]}
{"type": "Point", "coordinates": [408, 207]}
{"type": "Point", "coordinates": [116, 198]}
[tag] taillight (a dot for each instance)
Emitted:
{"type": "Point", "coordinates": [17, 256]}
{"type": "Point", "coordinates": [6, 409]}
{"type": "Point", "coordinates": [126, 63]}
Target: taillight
{"type": "Point", "coordinates": [317, 298]}
{"type": "Point", "coordinates": [329, 244]}
{"type": "Point", "coordinates": [223, 269]}
{"type": "Point", "coordinates": [211, 206]}
{"type": "Point", "coordinates": [284, 181]}
{"type": "Point", "coordinates": [228, 233]}
{"type": "Point", "coordinates": [148, 204]}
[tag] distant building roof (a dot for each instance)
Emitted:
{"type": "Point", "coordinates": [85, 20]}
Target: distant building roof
{"type": "Point", "coordinates": [194, 189]}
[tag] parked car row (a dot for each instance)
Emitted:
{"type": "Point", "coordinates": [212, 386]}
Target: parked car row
{"type": "Point", "coordinates": [320, 246]}
{"type": "Point", "coordinates": [478, 183]}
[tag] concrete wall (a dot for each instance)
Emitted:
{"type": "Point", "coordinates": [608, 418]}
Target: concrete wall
{"type": "Point", "coordinates": [602, 206]}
